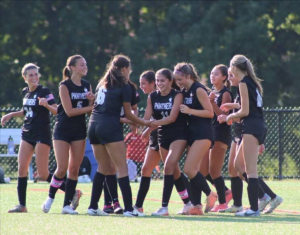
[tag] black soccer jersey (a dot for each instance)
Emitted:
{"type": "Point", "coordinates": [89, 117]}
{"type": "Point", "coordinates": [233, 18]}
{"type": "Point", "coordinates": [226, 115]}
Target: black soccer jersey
{"type": "Point", "coordinates": [109, 102]}
{"type": "Point", "coordinates": [255, 99]}
{"type": "Point", "coordinates": [218, 101]}
{"type": "Point", "coordinates": [162, 106]}
{"type": "Point", "coordinates": [135, 98]}
{"type": "Point", "coordinates": [36, 116]}
{"type": "Point", "coordinates": [78, 99]}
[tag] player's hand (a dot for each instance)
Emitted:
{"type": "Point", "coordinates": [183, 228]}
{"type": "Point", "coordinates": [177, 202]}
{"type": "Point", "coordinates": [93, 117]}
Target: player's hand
{"type": "Point", "coordinates": [5, 119]}
{"type": "Point", "coordinates": [261, 149]}
{"type": "Point", "coordinates": [222, 118]}
{"type": "Point", "coordinates": [184, 109]}
{"type": "Point", "coordinates": [228, 106]}
{"type": "Point", "coordinates": [153, 124]}
{"type": "Point", "coordinates": [90, 96]}
{"type": "Point", "coordinates": [147, 123]}
{"type": "Point", "coordinates": [43, 102]}
{"type": "Point", "coordinates": [212, 97]}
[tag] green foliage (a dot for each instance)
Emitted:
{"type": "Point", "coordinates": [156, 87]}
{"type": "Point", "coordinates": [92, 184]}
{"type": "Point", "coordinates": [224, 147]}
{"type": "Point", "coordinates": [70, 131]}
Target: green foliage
{"type": "Point", "coordinates": [154, 34]}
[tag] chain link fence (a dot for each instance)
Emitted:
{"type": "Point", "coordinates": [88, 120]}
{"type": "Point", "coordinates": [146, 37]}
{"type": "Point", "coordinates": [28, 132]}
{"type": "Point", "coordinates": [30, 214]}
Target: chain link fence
{"type": "Point", "coordinates": [281, 158]}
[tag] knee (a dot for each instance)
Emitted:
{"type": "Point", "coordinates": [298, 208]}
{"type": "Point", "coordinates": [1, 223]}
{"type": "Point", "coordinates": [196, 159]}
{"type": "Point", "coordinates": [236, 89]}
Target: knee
{"type": "Point", "coordinates": [22, 171]}
{"type": "Point", "coordinates": [169, 169]}
{"type": "Point", "coordinates": [146, 171]}
{"type": "Point", "coordinates": [190, 172]}
{"type": "Point", "coordinates": [232, 171]}
{"type": "Point", "coordinates": [43, 175]}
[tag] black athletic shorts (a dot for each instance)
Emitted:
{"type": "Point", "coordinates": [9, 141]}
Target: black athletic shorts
{"type": "Point", "coordinates": [256, 127]}
{"type": "Point", "coordinates": [69, 135]}
{"type": "Point", "coordinates": [237, 132]}
{"type": "Point", "coordinates": [182, 135]}
{"type": "Point", "coordinates": [223, 135]}
{"type": "Point", "coordinates": [195, 133]}
{"type": "Point", "coordinates": [153, 142]}
{"type": "Point", "coordinates": [35, 136]}
{"type": "Point", "coordinates": [105, 132]}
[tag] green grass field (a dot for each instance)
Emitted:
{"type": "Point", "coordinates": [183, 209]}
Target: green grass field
{"type": "Point", "coordinates": [285, 220]}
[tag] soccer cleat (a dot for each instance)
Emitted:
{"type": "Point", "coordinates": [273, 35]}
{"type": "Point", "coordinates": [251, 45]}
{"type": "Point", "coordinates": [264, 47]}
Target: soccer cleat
{"type": "Point", "coordinates": [141, 210]}
{"type": "Point", "coordinates": [248, 213]}
{"type": "Point", "coordinates": [186, 208]}
{"type": "Point", "coordinates": [228, 196]}
{"type": "Point", "coordinates": [97, 212]}
{"type": "Point", "coordinates": [219, 207]}
{"type": "Point", "coordinates": [273, 204]}
{"type": "Point", "coordinates": [134, 213]}
{"type": "Point", "coordinates": [69, 210]}
{"type": "Point", "coordinates": [210, 201]}
{"type": "Point", "coordinates": [117, 208]}
{"type": "Point", "coordinates": [196, 210]}
{"type": "Point", "coordinates": [263, 202]}
{"type": "Point", "coordinates": [108, 209]}
{"type": "Point", "coordinates": [232, 209]}
{"type": "Point", "coordinates": [47, 205]}
{"type": "Point", "coordinates": [163, 211]}
{"type": "Point", "coordinates": [76, 198]}
{"type": "Point", "coordinates": [18, 209]}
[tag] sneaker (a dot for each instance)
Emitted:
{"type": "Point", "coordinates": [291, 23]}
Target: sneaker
{"type": "Point", "coordinates": [163, 211]}
{"type": "Point", "coordinates": [134, 213]}
{"type": "Point", "coordinates": [228, 195]}
{"type": "Point", "coordinates": [18, 209]}
{"type": "Point", "coordinates": [69, 210]}
{"type": "Point", "coordinates": [47, 205]}
{"type": "Point", "coordinates": [196, 210]}
{"type": "Point", "coordinates": [97, 212]}
{"type": "Point", "coordinates": [117, 208]}
{"type": "Point", "coordinates": [108, 209]}
{"type": "Point", "coordinates": [273, 204]}
{"type": "Point", "coordinates": [232, 209]}
{"type": "Point", "coordinates": [210, 201]}
{"type": "Point", "coordinates": [248, 213]}
{"type": "Point", "coordinates": [219, 207]}
{"type": "Point", "coordinates": [76, 198]}
{"type": "Point", "coordinates": [186, 208]}
{"type": "Point", "coordinates": [141, 210]}
{"type": "Point", "coordinates": [263, 202]}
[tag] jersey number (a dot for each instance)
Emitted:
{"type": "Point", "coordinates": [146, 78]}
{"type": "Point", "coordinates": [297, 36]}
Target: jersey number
{"type": "Point", "coordinates": [29, 112]}
{"type": "Point", "coordinates": [101, 96]}
{"type": "Point", "coordinates": [164, 114]}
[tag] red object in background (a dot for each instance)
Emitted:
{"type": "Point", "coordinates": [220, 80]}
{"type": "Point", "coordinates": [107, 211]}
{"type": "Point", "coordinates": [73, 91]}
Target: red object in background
{"type": "Point", "coordinates": [136, 148]}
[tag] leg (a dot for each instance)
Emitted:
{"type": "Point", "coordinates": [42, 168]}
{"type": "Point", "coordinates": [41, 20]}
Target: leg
{"type": "Point", "coordinates": [42, 159]}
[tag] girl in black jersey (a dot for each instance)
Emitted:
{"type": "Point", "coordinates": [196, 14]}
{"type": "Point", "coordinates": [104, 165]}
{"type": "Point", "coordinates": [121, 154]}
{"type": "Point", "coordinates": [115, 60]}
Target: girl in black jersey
{"type": "Point", "coordinates": [36, 133]}
{"type": "Point", "coordinates": [163, 105]}
{"type": "Point", "coordinates": [110, 186]}
{"type": "Point", "coordinates": [236, 166]}
{"type": "Point", "coordinates": [105, 132]}
{"type": "Point", "coordinates": [253, 125]}
{"type": "Point", "coordinates": [213, 163]}
{"type": "Point", "coordinates": [199, 113]}
{"type": "Point", "coordinates": [70, 131]}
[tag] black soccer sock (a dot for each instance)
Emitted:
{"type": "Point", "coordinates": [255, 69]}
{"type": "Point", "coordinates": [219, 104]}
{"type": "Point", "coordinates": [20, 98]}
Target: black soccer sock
{"type": "Point", "coordinates": [70, 191]}
{"type": "Point", "coordinates": [63, 185]}
{"type": "Point", "coordinates": [220, 186]}
{"type": "Point", "coordinates": [55, 184]}
{"type": "Point", "coordinates": [203, 184]}
{"type": "Point", "coordinates": [253, 193]}
{"type": "Point", "coordinates": [22, 187]}
{"type": "Point", "coordinates": [126, 193]}
{"type": "Point", "coordinates": [266, 188]}
{"type": "Point", "coordinates": [107, 196]}
{"type": "Point", "coordinates": [261, 192]}
{"type": "Point", "coordinates": [187, 185]}
{"type": "Point", "coordinates": [96, 190]}
{"type": "Point", "coordinates": [181, 189]}
{"type": "Point", "coordinates": [112, 186]}
{"type": "Point", "coordinates": [245, 177]}
{"type": "Point", "coordinates": [237, 190]}
{"type": "Point", "coordinates": [143, 190]}
{"type": "Point", "coordinates": [208, 177]}
{"type": "Point", "coordinates": [196, 189]}
{"type": "Point", "coordinates": [167, 189]}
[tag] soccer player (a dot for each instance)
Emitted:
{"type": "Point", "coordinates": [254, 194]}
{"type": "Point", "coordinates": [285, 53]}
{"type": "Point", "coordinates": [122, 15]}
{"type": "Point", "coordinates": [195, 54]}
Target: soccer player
{"type": "Point", "coordinates": [199, 112]}
{"type": "Point", "coordinates": [106, 135]}
{"type": "Point", "coordinates": [70, 132]}
{"type": "Point", "coordinates": [36, 130]}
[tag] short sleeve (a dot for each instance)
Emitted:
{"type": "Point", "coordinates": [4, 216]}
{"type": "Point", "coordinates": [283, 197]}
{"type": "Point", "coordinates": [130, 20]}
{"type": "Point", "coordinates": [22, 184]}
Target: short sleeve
{"type": "Point", "coordinates": [46, 93]}
{"type": "Point", "coordinates": [126, 93]}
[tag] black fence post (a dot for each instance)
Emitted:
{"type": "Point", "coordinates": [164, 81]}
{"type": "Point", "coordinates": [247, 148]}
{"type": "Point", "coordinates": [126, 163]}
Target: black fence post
{"type": "Point", "coordinates": [280, 143]}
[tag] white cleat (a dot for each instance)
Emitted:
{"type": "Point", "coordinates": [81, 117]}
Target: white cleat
{"type": "Point", "coordinates": [263, 202]}
{"type": "Point", "coordinates": [163, 211]}
{"type": "Point", "coordinates": [248, 213]}
{"type": "Point", "coordinates": [134, 213]}
{"type": "Point", "coordinates": [47, 205]}
{"type": "Point", "coordinates": [274, 204]}
{"type": "Point", "coordinates": [68, 210]}
{"type": "Point", "coordinates": [97, 212]}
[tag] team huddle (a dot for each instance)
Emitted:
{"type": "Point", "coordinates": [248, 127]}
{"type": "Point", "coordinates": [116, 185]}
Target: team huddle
{"type": "Point", "coordinates": [181, 114]}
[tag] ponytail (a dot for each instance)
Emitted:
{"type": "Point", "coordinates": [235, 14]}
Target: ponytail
{"type": "Point", "coordinates": [71, 61]}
